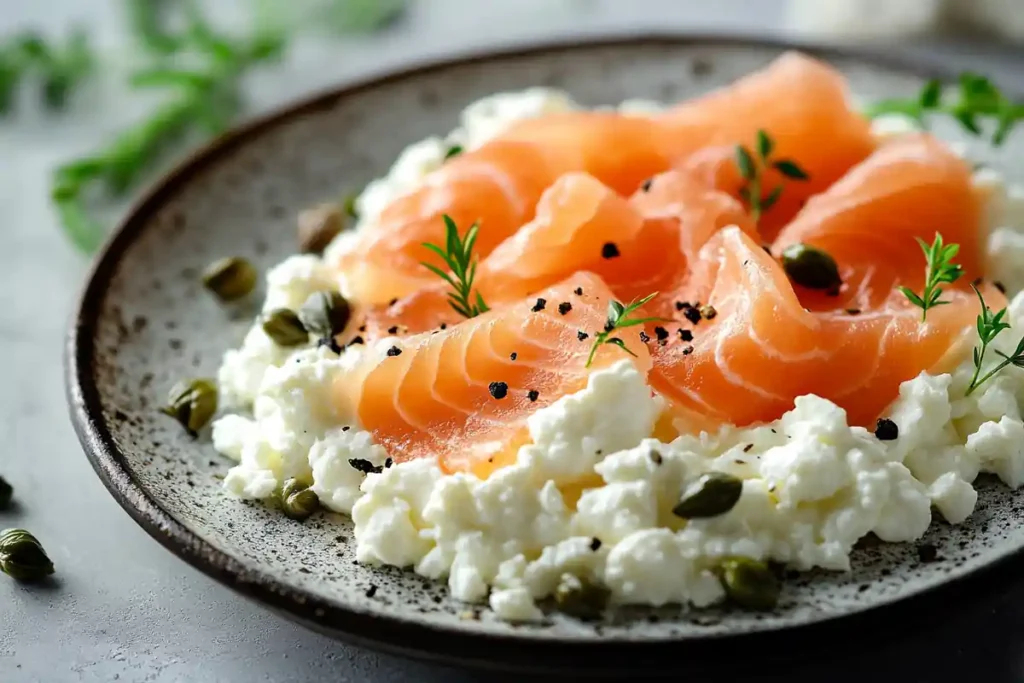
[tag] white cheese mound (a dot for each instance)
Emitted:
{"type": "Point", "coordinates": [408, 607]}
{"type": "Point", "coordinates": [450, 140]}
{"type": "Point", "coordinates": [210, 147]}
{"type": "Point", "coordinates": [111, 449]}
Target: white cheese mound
{"type": "Point", "coordinates": [590, 497]}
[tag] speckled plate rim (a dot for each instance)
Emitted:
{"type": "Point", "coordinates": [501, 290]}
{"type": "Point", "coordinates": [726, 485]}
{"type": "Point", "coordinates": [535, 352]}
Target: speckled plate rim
{"type": "Point", "coordinates": [400, 635]}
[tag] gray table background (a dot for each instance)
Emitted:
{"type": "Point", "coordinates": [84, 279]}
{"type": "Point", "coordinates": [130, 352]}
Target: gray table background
{"type": "Point", "coordinates": [123, 608]}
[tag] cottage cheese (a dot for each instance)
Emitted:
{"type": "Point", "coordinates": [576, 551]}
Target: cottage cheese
{"type": "Point", "coordinates": [589, 498]}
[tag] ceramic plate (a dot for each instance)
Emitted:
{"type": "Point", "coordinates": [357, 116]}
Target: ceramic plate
{"type": "Point", "coordinates": [143, 322]}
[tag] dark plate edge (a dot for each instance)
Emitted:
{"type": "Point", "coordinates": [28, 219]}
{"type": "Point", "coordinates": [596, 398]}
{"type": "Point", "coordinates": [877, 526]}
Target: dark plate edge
{"type": "Point", "coordinates": [409, 638]}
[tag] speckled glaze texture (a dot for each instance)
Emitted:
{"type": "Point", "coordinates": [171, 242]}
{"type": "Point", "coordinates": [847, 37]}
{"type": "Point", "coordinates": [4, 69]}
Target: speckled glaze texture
{"type": "Point", "coordinates": [145, 322]}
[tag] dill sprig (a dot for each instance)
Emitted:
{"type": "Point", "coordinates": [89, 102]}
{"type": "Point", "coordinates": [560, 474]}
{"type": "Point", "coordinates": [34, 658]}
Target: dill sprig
{"type": "Point", "coordinates": [204, 97]}
{"type": "Point", "coordinates": [752, 165]}
{"type": "Point", "coordinates": [457, 253]}
{"type": "Point", "coordinates": [58, 68]}
{"type": "Point", "coordinates": [977, 98]}
{"type": "Point", "coordinates": [940, 269]}
{"type": "Point", "coordinates": [618, 318]}
{"type": "Point", "coordinates": [990, 325]}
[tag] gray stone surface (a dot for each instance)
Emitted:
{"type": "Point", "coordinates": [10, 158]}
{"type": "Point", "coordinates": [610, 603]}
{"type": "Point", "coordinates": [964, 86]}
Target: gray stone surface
{"type": "Point", "coordinates": [123, 608]}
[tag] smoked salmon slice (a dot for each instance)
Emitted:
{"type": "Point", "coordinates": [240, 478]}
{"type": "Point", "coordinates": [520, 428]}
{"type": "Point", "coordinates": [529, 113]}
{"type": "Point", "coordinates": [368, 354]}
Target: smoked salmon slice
{"type": "Point", "coordinates": [801, 101]}
{"type": "Point", "coordinates": [762, 349]}
{"type": "Point", "coordinates": [637, 246]}
{"type": "Point", "coordinates": [463, 394]}
{"type": "Point", "coordinates": [869, 221]}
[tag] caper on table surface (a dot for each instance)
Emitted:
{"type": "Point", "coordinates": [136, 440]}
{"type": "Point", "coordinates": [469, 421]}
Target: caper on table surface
{"type": "Point", "coordinates": [285, 328]}
{"type": "Point", "coordinates": [811, 267]}
{"type": "Point", "coordinates": [325, 314]}
{"type": "Point", "coordinates": [230, 278]}
{"type": "Point", "coordinates": [298, 501]}
{"type": "Point", "coordinates": [192, 403]}
{"type": "Point", "coordinates": [750, 583]}
{"type": "Point", "coordinates": [712, 494]}
{"type": "Point", "coordinates": [6, 493]}
{"type": "Point", "coordinates": [22, 556]}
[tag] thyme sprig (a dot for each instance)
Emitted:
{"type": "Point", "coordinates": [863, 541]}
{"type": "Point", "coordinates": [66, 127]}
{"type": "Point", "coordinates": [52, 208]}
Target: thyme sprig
{"type": "Point", "coordinates": [977, 98]}
{"type": "Point", "coordinates": [990, 325]}
{"type": "Point", "coordinates": [618, 319]}
{"type": "Point", "coordinates": [58, 68]}
{"type": "Point", "coordinates": [940, 269]}
{"type": "Point", "coordinates": [752, 165]}
{"type": "Point", "coordinates": [457, 253]}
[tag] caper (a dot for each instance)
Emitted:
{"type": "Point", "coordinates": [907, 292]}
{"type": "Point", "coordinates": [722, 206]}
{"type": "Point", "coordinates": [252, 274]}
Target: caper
{"type": "Point", "coordinates": [581, 599]}
{"type": "Point", "coordinates": [750, 583]}
{"type": "Point", "coordinates": [325, 314]}
{"type": "Point", "coordinates": [22, 556]}
{"type": "Point", "coordinates": [811, 267]}
{"type": "Point", "coordinates": [318, 226]}
{"type": "Point", "coordinates": [284, 327]}
{"type": "Point", "coordinates": [298, 501]}
{"type": "Point", "coordinates": [713, 494]}
{"type": "Point", "coordinates": [6, 493]}
{"type": "Point", "coordinates": [230, 278]}
{"type": "Point", "coordinates": [192, 403]}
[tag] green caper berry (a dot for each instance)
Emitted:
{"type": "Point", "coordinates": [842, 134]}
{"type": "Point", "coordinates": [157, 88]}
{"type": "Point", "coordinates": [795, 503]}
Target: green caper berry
{"type": "Point", "coordinates": [810, 267]}
{"type": "Point", "coordinates": [713, 494]}
{"type": "Point", "coordinates": [325, 314]}
{"type": "Point", "coordinates": [230, 278]}
{"type": "Point", "coordinates": [581, 599]}
{"type": "Point", "coordinates": [298, 501]}
{"type": "Point", "coordinates": [284, 327]}
{"type": "Point", "coordinates": [318, 226]}
{"type": "Point", "coordinates": [750, 583]}
{"type": "Point", "coordinates": [22, 556]}
{"type": "Point", "coordinates": [6, 493]}
{"type": "Point", "coordinates": [192, 403]}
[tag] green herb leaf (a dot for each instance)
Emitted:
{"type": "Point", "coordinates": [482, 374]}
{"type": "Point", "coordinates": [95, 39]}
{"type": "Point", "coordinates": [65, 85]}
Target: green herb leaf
{"type": "Point", "coordinates": [790, 169]}
{"type": "Point", "coordinates": [989, 326]}
{"type": "Point", "coordinates": [931, 94]}
{"type": "Point", "coordinates": [453, 151]}
{"type": "Point", "coordinates": [773, 196]}
{"type": "Point", "coordinates": [939, 269]}
{"type": "Point", "coordinates": [618, 318]}
{"type": "Point", "coordinates": [457, 254]}
{"type": "Point", "coordinates": [745, 161]}
{"type": "Point", "coordinates": [764, 145]}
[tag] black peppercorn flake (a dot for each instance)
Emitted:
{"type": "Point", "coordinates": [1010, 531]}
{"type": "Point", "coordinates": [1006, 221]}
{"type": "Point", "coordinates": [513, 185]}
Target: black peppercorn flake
{"type": "Point", "coordinates": [388, 462]}
{"type": "Point", "coordinates": [372, 590]}
{"type": "Point", "coordinates": [393, 329]}
{"type": "Point", "coordinates": [687, 350]}
{"type": "Point", "coordinates": [393, 301]}
{"type": "Point", "coordinates": [767, 248]}
{"type": "Point", "coordinates": [581, 335]}
{"type": "Point", "coordinates": [564, 307]}
{"type": "Point", "coordinates": [533, 395]}
{"type": "Point", "coordinates": [345, 428]}
{"type": "Point", "coordinates": [513, 355]}
{"type": "Point", "coordinates": [853, 311]}
{"type": "Point", "coordinates": [356, 340]}
{"type": "Point", "coordinates": [595, 544]}
{"type": "Point", "coordinates": [926, 553]}
{"type": "Point", "coordinates": [655, 457]}
{"type": "Point", "coordinates": [977, 282]}
{"type": "Point", "coordinates": [609, 250]}
{"type": "Point", "coordinates": [444, 326]}
{"type": "Point", "coordinates": [886, 430]}
{"type": "Point", "coordinates": [539, 306]}
{"type": "Point", "coordinates": [746, 449]}
{"type": "Point", "coordinates": [644, 337]}
{"type": "Point", "coordinates": [682, 305]}
{"type": "Point", "coordinates": [579, 291]}
{"type": "Point", "coordinates": [661, 333]}
{"type": "Point", "coordinates": [365, 466]}
{"type": "Point", "coordinates": [685, 335]}
{"type": "Point", "coordinates": [1000, 286]}
{"type": "Point", "coordinates": [498, 390]}
{"type": "Point", "coordinates": [394, 351]}
{"type": "Point", "coordinates": [692, 314]}
{"type": "Point", "coordinates": [362, 328]}
{"type": "Point", "coordinates": [646, 186]}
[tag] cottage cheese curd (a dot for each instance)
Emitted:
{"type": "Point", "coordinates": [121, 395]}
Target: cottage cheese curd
{"type": "Point", "coordinates": [589, 499]}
